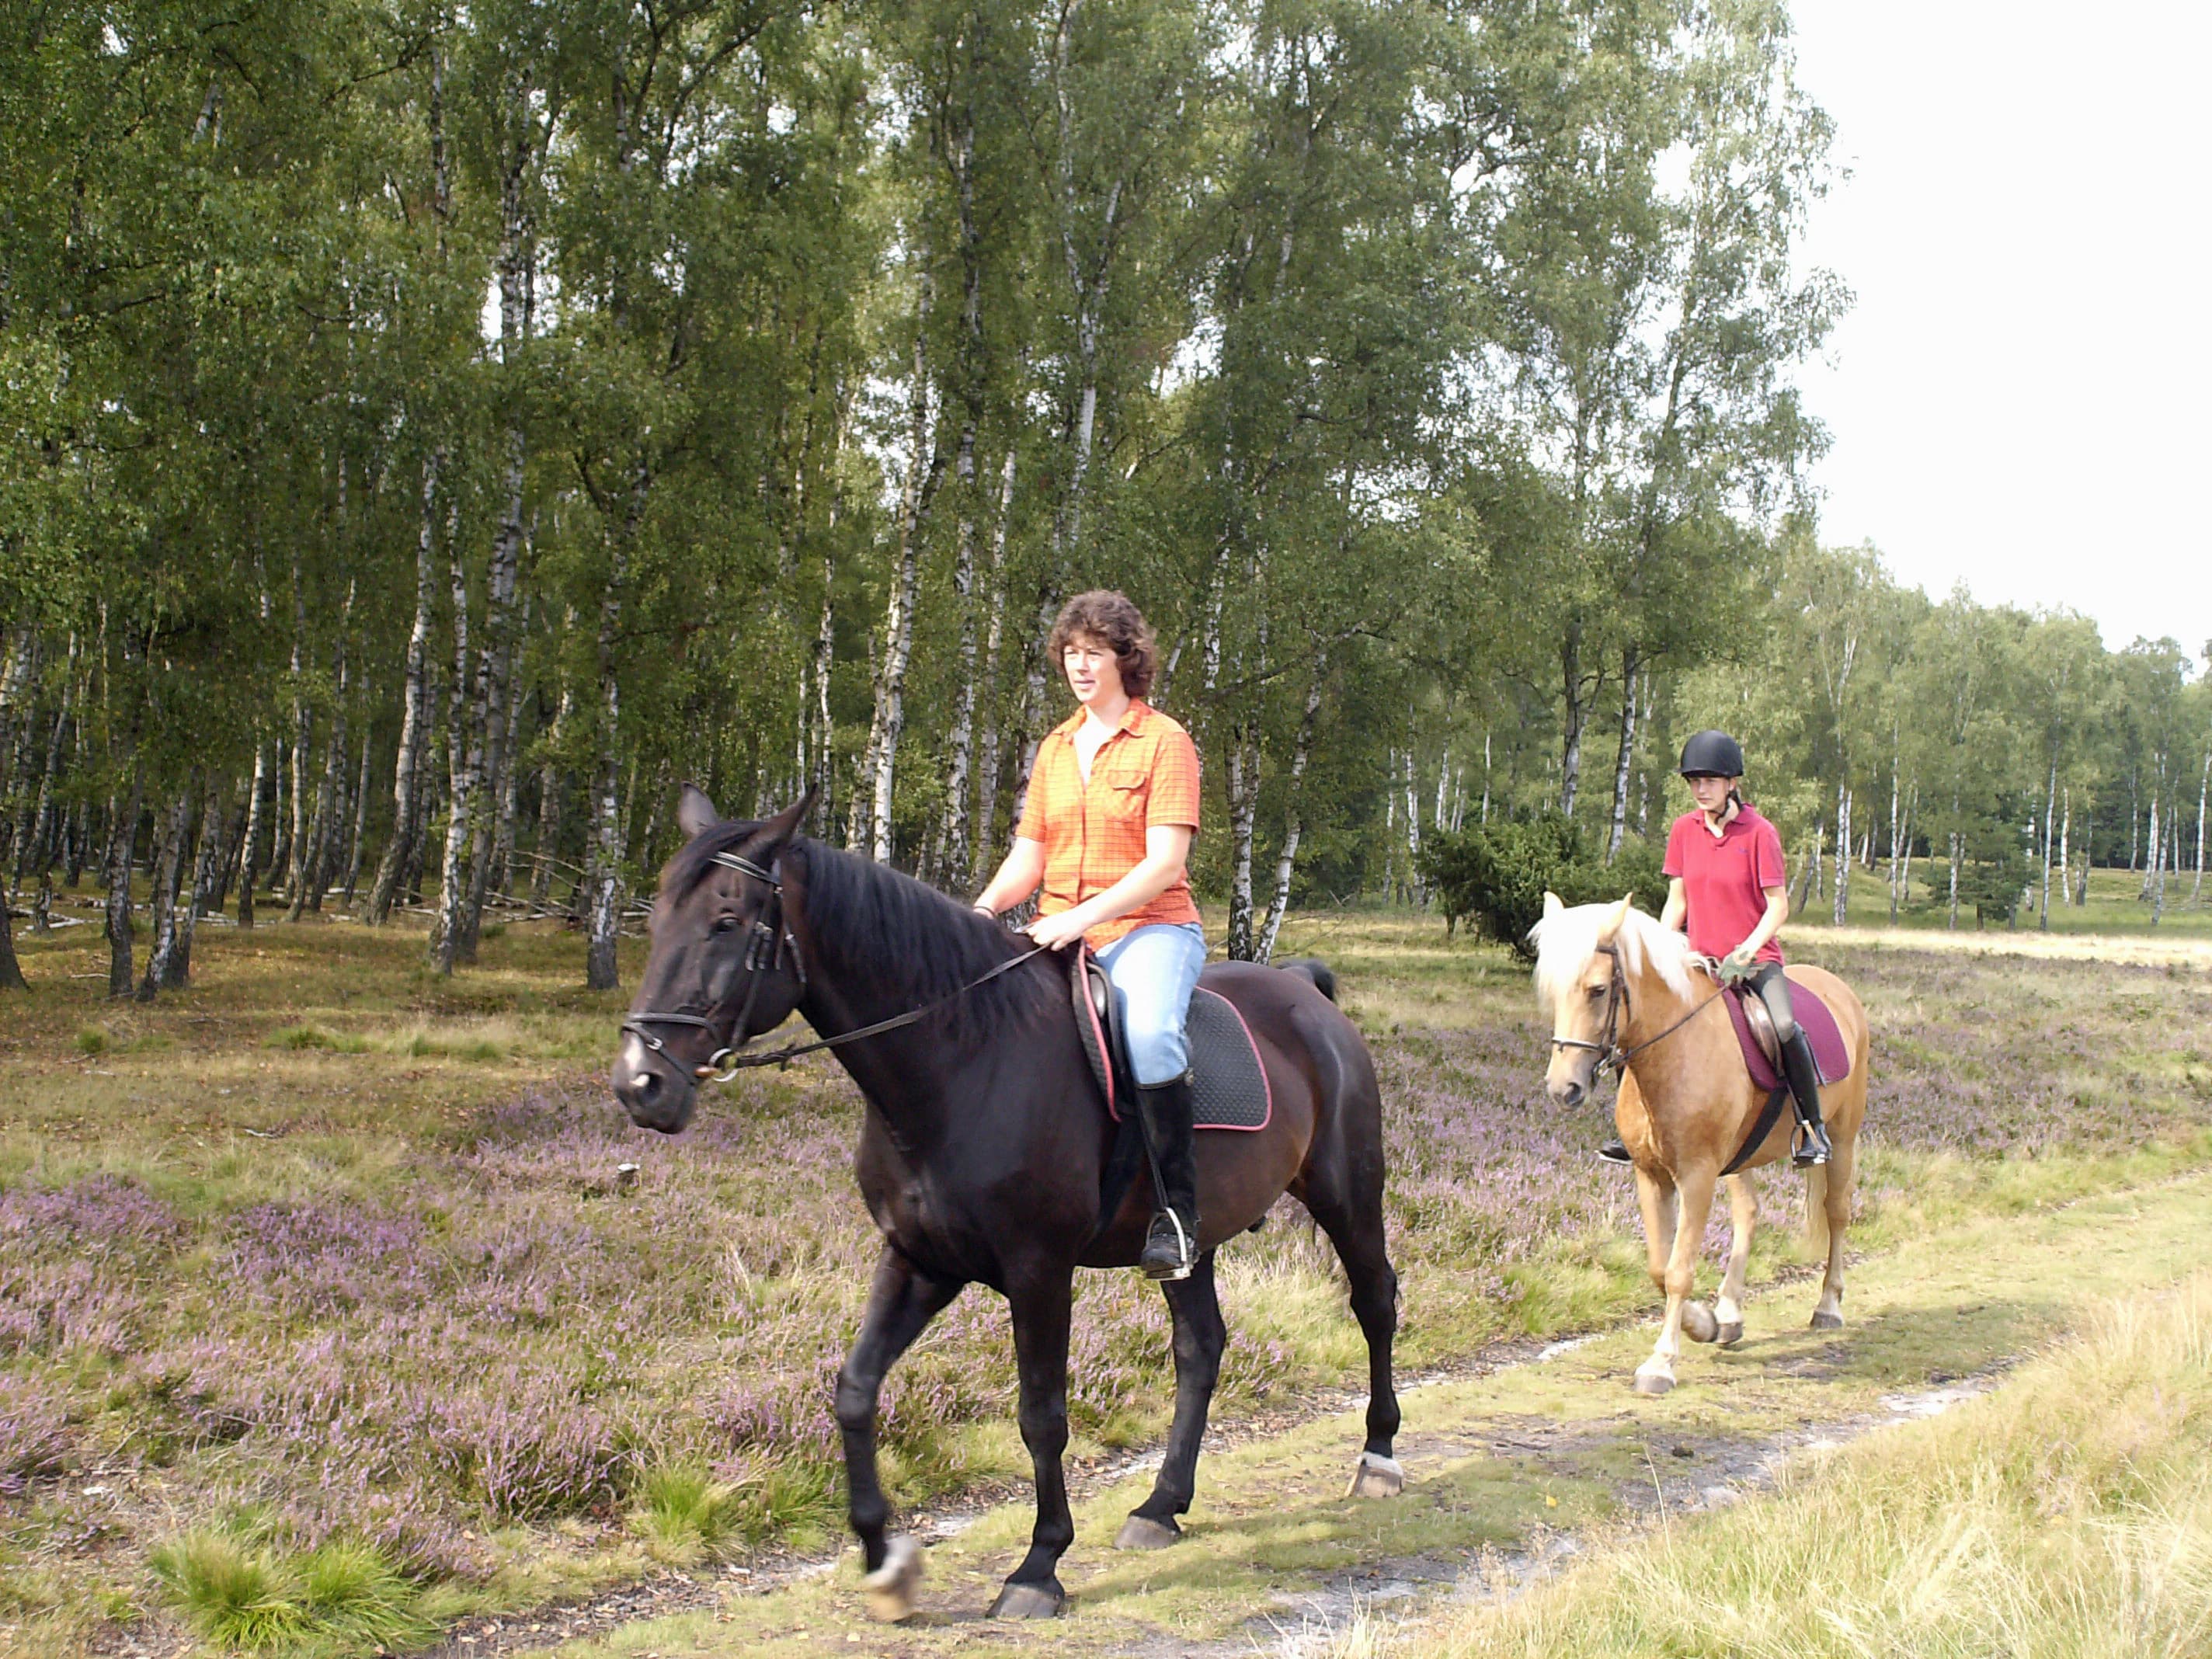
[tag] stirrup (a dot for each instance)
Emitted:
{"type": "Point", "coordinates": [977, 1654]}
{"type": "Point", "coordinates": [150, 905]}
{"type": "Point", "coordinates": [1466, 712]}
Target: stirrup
{"type": "Point", "coordinates": [1165, 1258]}
{"type": "Point", "coordinates": [1809, 1147]}
{"type": "Point", "coordinates": [1614, 1152]}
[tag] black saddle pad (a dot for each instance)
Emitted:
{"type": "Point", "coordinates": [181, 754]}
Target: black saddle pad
{"type": "Point", "coordinates": [1229, 1085]}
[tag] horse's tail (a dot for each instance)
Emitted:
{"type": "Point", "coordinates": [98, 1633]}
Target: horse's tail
{"type": "Point", "coordinates": [1816, 1210]}
{"type": "Point", "coordinates": [1315, 968]}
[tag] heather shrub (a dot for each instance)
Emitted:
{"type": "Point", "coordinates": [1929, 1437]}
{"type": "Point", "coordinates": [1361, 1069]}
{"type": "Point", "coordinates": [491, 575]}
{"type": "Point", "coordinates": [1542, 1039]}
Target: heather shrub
{"type": "Point", "coordinates": [35, 1435]}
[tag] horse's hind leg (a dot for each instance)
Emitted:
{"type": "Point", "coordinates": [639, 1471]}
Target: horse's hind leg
{"type": "Point", "coordinates": [1355, 1227]}
{"type": "Point", "coordinates": [1199, 1337]}
{"type": "Point", "coordinates": [1743, 1217]}
{"type": "Point", "coordinates": [1827, 1215]}
{"type": "Point", "coordinates": [901, 1301]}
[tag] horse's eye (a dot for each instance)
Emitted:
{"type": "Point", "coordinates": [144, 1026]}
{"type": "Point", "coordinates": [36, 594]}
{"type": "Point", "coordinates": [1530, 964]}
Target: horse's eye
{"type": "Point", "coordinates": [1596, 992]}
{"type": "Point", "coordinates": [725, 923]}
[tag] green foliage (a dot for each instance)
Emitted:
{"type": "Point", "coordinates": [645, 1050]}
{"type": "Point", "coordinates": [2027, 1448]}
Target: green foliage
{"type": "Point", "coordinates": [1497, 874]}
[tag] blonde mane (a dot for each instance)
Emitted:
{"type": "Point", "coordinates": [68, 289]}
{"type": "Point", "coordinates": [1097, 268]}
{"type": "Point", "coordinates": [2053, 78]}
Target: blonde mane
{"type": "Point", "coordinates": [1566, 941]}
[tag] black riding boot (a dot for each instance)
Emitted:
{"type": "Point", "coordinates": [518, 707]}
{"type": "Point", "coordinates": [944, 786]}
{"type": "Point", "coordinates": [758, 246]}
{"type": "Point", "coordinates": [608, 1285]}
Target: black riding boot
{"type": "Point", "coordinates": [1811, 1146]}
{"type": "Point", "coordinates": [1171, 1246]}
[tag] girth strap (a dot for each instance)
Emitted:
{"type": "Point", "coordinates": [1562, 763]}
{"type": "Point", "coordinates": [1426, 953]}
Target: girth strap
{"type": "Point", "coordinates": [1769, 1116]}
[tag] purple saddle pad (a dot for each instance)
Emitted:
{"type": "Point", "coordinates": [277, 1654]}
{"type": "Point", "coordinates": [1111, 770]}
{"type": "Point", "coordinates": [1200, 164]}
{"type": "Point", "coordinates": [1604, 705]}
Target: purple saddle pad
{"type": "Point", "coordinates": [1831, 1058]}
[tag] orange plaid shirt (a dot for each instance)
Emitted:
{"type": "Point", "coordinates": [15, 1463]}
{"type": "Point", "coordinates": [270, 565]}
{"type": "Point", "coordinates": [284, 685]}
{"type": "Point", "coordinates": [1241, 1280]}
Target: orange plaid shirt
{"type": "Point", "coordinates": [1093, 834]}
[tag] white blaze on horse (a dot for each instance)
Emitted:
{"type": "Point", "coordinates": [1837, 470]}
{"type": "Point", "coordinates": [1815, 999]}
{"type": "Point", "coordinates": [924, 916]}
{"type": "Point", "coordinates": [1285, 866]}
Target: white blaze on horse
{"type": "Point", "coordinates": [1625, 994]}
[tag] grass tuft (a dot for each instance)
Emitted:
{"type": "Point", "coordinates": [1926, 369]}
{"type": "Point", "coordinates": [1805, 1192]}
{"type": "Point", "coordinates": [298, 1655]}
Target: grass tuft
{"type": "Point", "coordinates": [684, 1514]}
{"type": "Point", "coordinates": [342, 1597]}
{"type": "Point", "coordinates": [297, 1037]}
{"type": "Point", "coordinates": [91, 1040]}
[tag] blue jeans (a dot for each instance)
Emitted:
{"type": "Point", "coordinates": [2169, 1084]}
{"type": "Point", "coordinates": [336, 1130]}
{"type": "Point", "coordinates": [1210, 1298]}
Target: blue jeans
{"type": "Point", "coordinates": [1153, 970]}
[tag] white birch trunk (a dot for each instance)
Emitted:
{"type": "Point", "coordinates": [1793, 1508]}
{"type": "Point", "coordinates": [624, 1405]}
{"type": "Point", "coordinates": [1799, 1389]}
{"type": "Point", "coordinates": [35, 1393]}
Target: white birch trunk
{"type": "Point", "coordinates": [923, 468]}
{"type": "Point", "coordinates": [414, 709]}
{"type": "Point", "coordinates": [2204, 783]}
{"type": "Point", "coordinates": [462, 757]}
{"type": "Point", "coordinates": [1630, 686]}
{"type": "Point", "coordinates": [1842, 851]}
{"type": "Point", "coordinates": [1286, 861]}
{"type": "Point", "coordinates": [1414, 886]}
{"type": "Point", "coordinates": [988, 751]}
{"type": "Point", "coordinates": [2155, 873]}
{"type": "Point", "coordinates": [172, 828]}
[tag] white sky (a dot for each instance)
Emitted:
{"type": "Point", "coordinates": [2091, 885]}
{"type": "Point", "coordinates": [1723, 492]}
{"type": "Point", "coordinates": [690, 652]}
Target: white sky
{"type": "Point", "coordinates": [2018, 397]}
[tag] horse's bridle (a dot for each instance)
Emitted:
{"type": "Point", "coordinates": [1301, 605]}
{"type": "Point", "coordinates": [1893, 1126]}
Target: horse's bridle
{"type": "Point", "coordinates": [1611, 1056]}
{"type": "Point", "coordinates": [770, 934]}
{"type": "Point", "coordinates": [775, 935]}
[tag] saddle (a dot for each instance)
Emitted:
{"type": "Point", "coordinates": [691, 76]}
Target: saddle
{"type": "Point", "coordinates": [1762, 1054]}
{"type": "Point", "coordinates": [1229, 1087]}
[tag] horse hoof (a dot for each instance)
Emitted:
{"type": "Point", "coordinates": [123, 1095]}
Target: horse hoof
{"type": "Point", "coordinates": [1697, 1322]}
{"type": "Point", "coordinates": [1730, 1335]}
{"type": "Point", "coordinates": [889, 1588]}
{"type": "Point", "coordinates": [1141, 1532]}
{"type": "Point", "coordinates": [1653, 1384]}
{"type": "Point", "coordinates": [1376, 1476]}
{"type": "Point", "coordinates": [1039, 1601]}
{"type": "Point", "coordinates": [1827, 1321]}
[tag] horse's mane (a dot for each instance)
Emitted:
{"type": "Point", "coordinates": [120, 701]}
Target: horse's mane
{"type": "Point", "coordinates": [913, 937]}
{"type": "Point", "coordinates": [1565, 943]}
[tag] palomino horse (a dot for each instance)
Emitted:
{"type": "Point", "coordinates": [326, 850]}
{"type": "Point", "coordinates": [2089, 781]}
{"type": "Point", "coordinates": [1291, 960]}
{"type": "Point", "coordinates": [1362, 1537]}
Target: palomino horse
{"type": "Point", "coordinates": [985, 1143]}
{"type": "Point", "coordinates": [1625, 992]}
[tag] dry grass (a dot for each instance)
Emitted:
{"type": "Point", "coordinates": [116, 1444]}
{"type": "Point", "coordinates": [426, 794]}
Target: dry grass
{"type": "Point", "coordinates": [2068, 1516]}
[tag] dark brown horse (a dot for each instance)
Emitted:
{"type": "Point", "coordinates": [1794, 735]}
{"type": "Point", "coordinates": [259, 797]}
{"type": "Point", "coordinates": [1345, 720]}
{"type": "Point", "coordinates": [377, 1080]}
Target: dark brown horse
{"type": "Point", "coordinates": [985, 1143]}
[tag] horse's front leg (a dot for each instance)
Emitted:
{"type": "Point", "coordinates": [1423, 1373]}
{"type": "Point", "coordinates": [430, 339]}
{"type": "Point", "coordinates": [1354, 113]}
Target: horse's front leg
{"type": "Point", "coordinates": [1200, 1336]}
{"type": "Point", "coordinates": [901, 1301]}
{"type": "Point", "coordinates": [1695, 1190]}
{"type": "Point", "coordinates": [1041, 1307]}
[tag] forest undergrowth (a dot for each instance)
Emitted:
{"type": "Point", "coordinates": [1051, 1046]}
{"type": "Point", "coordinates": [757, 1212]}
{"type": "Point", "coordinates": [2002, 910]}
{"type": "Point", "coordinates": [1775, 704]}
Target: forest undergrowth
{"type": "Point", "coordinates": [328, 1309]}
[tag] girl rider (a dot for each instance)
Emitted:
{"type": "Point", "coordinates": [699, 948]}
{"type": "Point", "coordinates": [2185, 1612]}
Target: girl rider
{"type": "Point", "coordinates": [1726, 889]}
{"type": "Point", "coordinates": [1112, 806]}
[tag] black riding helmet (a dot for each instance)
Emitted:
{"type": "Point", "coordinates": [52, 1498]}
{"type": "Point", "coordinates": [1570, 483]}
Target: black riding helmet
{"type": "Point", "coordinates": [1713, 752]}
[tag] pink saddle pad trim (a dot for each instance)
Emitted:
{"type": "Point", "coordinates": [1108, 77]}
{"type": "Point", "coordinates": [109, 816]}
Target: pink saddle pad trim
{"type": "Point", "coordinates": [1830, 1057]}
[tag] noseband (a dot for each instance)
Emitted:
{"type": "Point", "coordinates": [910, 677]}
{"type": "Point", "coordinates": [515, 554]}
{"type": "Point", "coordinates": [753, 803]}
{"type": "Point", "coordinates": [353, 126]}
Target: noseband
{"type": "Point", "coordinates": [764, 953]}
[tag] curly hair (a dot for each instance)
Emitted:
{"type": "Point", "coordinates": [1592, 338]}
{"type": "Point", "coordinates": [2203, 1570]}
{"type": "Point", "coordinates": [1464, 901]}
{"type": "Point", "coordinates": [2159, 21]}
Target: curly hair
{"type": "Point", "coordinates": [1108, 617]}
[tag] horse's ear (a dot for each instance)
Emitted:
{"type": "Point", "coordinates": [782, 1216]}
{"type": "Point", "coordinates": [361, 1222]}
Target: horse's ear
{"type": "Point", "coordinates": [773, 832]}
{"type": "Point", "coordinates": [1614, 919]}
{"type": "Point", "coordinates": [1553, 904]}
{"type": "Point", "coordinates": [695, 812]}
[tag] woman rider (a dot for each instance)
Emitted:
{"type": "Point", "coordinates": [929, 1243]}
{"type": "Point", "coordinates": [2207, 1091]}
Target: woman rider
{"type": "Point", "coordinates": [1727, 890]}
{"type": "Point", "coordinates": [1112, 806]}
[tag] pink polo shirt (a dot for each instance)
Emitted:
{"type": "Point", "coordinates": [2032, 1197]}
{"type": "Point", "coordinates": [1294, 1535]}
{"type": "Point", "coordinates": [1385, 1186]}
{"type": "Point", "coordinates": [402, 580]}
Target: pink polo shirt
{"type": "Point", "coordinates": [1725, 878]}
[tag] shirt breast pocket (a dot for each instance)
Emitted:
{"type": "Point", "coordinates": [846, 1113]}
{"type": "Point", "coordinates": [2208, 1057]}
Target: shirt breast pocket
{"type": "Point", "coordinates": [1126, 795]}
